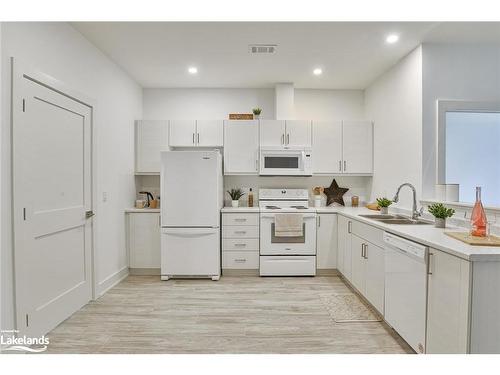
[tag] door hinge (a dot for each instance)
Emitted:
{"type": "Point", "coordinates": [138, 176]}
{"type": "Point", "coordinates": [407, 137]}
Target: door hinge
{"type": "Point", "coordinates": [27, 321]}
{"type": "Point", "coordinates": [24, 105]}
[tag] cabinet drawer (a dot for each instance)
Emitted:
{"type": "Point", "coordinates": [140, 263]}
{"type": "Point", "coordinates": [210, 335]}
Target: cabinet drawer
{"type": "Point", "coordinates": [244, 244]}
{"type": "Point", "coordinates": [368, 233]}
{"type": "Point", "coordinates": [240, 259]}
{"type": "Point", "coordinates": [242, 231]}
{"type": "Point", "coordinates": [240, 219]}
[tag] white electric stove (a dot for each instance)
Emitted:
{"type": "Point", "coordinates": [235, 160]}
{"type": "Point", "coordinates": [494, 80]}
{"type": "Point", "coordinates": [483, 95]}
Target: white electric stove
{"type": "Point", "coordinates": [286, 256]}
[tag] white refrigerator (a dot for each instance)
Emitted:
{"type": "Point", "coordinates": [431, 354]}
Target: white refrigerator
{"type": "Point", "coordinates": [191, 199]}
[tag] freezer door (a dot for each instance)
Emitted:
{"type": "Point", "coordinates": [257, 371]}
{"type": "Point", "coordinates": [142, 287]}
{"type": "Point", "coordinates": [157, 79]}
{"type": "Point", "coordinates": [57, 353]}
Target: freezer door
{"type": "Point", "coordinates": [191, 188]}
{"type": "Point", "coordinates": [190, 252]}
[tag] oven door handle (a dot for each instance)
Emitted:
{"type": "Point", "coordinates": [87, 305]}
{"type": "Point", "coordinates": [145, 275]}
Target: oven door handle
{"type": "Point", "coordinates": [271, 216]}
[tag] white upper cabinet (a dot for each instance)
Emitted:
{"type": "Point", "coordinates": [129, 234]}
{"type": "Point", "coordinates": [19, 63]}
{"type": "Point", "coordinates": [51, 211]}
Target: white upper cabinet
{"type": "Point", "coordinates": [357, 148]}
{"type": "Point", "coordinates": [327, 147]}
{"type": "Point", "coordinates": [182, 133]}
{"type": "Point", "coordinates": [289, 133]}
{"type": "Point", "coordinates": [241, 147]}
{"type": "Point", "coordinates": [196, 133]}
{"type": "Point", "coordinates": [151, 137]}
{"type": "Point", "coordinates": [209, 133]}
{"type": "Point", "coordinates": [272, 133]}
{"type": "Point", "coordinates": [298, 133]}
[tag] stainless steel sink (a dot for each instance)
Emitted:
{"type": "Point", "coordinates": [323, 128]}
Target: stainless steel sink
{"type": "Point", "coordinates": [383, 217]}
{"type": "Point", "coordinates": [395, 219]}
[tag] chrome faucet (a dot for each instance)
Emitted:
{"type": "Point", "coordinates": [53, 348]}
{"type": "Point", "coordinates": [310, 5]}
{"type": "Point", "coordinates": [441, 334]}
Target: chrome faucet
{"type": "Point", "coordinates": [415, 213]}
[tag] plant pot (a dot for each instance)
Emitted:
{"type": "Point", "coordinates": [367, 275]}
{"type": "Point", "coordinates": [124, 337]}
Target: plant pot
{"type": "Point", "coordinates": [235, 204]}
{"type": "Point", "coordinates": [439, 223]}
{"type": "Point", "coordinates": [256, 117]}
{"type": "Point", "coordinates": [384, 210]}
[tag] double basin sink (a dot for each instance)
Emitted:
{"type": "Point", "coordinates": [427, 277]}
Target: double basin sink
{"type": "Point", "coordinates": [396, 219]}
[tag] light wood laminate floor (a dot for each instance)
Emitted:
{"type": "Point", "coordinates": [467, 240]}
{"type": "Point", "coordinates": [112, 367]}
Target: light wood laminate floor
{"type": "Point", "coordinates": [234, 315]}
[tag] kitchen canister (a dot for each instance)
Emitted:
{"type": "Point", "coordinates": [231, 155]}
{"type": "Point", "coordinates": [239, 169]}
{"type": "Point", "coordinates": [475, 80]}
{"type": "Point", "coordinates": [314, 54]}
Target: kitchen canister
{"type": "Point", "coordinates": [452, 192]}
{"type": "Point", "coordinates": [317, 201]}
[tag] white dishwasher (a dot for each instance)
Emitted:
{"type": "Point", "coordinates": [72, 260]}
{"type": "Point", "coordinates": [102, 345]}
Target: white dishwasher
{"type": "Point", "coordinates": [406, 289]}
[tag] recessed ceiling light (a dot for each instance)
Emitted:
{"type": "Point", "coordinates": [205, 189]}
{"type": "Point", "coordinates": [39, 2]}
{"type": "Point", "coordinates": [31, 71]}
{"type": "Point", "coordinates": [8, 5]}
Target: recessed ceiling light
{"type": "Point", "coordinates": [193, 70]}
{"type": "Point", "coordinates": [393, 38]}
{"type": "Point", "coordinates": [317, 71]}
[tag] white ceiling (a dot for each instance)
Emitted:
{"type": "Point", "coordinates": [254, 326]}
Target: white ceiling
{"type": "Point", "coordinates": [352, 55]}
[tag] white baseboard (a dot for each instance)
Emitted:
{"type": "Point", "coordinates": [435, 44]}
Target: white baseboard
{"type": "Point", "coordinates": [111, 281]}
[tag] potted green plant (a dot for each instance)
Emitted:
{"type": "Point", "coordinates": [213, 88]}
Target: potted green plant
{"type": "Point", "coordinates": [384, 204]}
{"type": "Point", "coordinates": [256, 112]}
{"type": "Point", "coordinates": [235, 195]}
{"type": "Point", "coordinates": [440, 213]}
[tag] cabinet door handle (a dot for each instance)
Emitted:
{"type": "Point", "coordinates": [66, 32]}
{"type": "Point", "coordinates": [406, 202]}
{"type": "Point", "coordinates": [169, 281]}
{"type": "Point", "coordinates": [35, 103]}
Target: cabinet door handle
{"type": "Point", "coordinates": [366, 251]}
{"type": "Point", "coordinates": [283, 138]}
{"type": "Point", "coordinates": [240, 219]}
{"type": "Point", "coordinates": [362, 250]}
{"type": "Point", "coordinates": [288, 139]}
{"type": "Point", "coordinates": [345, 166]}
{"type": "Point", "coordinates": [349, 224]}
{"type": "Point", "coordinates": [240, 231]}
{"type": "Point", "coordinates": [193, 138]}
{"type": "Point", "coordinates": [198, 138]}
{"type": "Point", "coordinates": [240, 244]}
{"type": "Point", "coordinates": [319, 221]}
{"type": "Point", "coordinates": [241, 260]}
{"type": "Point", "coordinates": [257, 165]}
{"type": "Point", "coordinates": [429, 264]}
{"type": "Point", "coordinates": [340, 165]}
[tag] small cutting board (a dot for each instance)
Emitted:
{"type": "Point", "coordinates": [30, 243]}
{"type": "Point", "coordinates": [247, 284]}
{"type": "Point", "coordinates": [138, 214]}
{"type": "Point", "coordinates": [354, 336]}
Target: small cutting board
{"type": "Point", "coordinates": [474, 241]}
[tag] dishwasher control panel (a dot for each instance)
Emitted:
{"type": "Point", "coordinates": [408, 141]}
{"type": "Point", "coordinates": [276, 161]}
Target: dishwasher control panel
{"type": "Point", "coordinates": [405, 245]}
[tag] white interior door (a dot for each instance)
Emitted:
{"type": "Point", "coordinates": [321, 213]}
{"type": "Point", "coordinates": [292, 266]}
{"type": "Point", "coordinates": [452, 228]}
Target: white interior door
{"type": "Point", "coordinates": [52, 182]}
{"type": "Point", "coordinates": [327, 146]}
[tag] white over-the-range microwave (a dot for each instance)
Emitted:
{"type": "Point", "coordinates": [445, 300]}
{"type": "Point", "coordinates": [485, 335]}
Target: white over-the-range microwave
{"type": "Point", "coordinates": [291, 161]}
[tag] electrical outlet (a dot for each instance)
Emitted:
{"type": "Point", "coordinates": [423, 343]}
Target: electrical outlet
{"type": "Point", "coordinates": [104, 196]}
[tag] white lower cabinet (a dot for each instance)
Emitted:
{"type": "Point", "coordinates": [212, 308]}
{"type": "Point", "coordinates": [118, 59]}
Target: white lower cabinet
{"type": "Point", "coordinates": [447, 303]}
{"type": "Point", "coordinates": [143, 239]}
{"type": "Point", "coordinates": [240, 241]}
{"type": "Point", "coordinates": [344, 264]}
{"type": "Point", "coordinates": [367, 262]}
{"type": "Point", "coordinates": [326, 241]}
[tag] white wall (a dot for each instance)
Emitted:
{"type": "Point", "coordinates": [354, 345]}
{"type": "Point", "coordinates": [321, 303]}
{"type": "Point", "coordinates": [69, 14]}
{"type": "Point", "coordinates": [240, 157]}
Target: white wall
{"type": "Point", "coordinates": [60, 51]}
{"type": "Point", "coordinates": [454, 71]}
{"type": "Point", "coordinates": [218, 103]}
{"type": "Point", "coordinates": [394, 103]}
{"type": "Point", "coordinates": [178, 104]}
{"type": "Point", "coordinates": [329, 104]}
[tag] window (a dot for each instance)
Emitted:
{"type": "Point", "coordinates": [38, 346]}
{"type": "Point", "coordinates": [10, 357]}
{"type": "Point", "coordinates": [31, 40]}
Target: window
{"type": "Point", "coordinates": [469, 149]}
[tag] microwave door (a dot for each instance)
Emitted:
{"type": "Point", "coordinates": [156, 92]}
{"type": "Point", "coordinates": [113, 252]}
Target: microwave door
{"type": "Point", "coordinates": [281, 164]}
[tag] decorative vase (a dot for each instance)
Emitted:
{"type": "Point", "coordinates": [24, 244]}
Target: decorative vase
{"type": "Point", "coordinates": [478, 218]}
{"type": "Point", "coordinates": [384, 210]}
{"type": "Point", "coordinates": [439, 222]}
{"type": "Point", "coordinates": [235, 204]}
{"type": "Point", "coordinates": [317, 201]}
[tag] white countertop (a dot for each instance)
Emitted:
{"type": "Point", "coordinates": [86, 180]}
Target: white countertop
{"type": "Point", "coordinates": [425, 234]}
{"type": "Point", "coordinates": [141, 210]}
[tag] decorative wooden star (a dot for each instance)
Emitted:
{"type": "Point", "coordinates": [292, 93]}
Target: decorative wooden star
{"type": "Point", "coordinates": [334, 193]}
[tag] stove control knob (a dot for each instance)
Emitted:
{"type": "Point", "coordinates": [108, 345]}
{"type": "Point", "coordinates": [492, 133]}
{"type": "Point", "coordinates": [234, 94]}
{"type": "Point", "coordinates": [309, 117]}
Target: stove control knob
{"type": "Point", "coordinates": [283, 191]}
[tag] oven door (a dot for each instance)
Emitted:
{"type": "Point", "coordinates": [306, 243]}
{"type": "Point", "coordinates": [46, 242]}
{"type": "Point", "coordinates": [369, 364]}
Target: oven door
{"type": "Point", "coordinates": [285, 162]}
{"type": "Point", "coordinates": [272, 245]}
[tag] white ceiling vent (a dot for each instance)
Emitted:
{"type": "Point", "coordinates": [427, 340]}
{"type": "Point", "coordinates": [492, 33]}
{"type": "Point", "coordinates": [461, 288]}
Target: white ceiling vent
{"type": "Point", "coordinates": [262, 48]}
